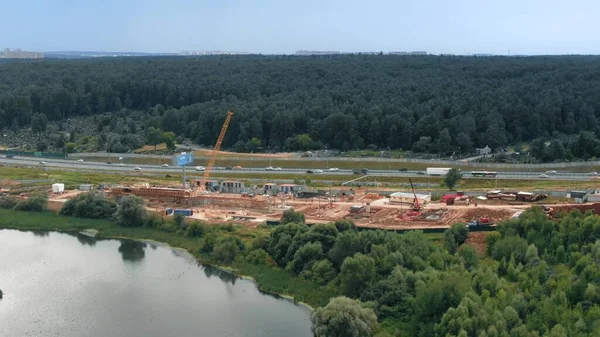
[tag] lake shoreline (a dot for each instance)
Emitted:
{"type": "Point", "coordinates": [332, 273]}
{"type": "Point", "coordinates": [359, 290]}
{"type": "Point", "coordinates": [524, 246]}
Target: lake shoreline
{"type": "Point", "coordinates": [85, 225]}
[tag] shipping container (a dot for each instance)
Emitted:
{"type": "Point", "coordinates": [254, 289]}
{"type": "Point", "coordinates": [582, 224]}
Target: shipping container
{"type": "Point", "coordinates": [184, 212]}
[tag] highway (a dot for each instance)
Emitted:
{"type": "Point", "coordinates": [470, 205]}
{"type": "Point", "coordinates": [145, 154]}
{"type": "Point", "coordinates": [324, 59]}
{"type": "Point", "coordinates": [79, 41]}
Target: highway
{"type": "Point", "coordinates": [123, 167]}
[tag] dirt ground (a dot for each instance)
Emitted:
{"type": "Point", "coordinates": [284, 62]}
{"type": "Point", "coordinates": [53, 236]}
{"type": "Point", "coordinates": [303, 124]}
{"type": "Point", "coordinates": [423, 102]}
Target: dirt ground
{"type": "Point", "coordinates": [222, 208]}
{"type": "Point", "coordinates": [477, 240]}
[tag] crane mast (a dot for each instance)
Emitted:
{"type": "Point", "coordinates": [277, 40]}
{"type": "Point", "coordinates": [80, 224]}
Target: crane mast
{"type": "Point", "coordinates": [213, 155]}
{"type": "Point", "coordinates": [416, 206]}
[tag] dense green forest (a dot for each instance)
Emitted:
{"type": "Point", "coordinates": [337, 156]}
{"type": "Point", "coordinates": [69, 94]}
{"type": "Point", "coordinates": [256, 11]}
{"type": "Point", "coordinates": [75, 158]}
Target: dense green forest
{"type": "Point", "coordinates": [438, 104]}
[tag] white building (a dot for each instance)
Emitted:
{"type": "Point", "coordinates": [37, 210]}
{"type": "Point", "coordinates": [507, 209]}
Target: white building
{"type": "Point", "coordinates": [408, 198]}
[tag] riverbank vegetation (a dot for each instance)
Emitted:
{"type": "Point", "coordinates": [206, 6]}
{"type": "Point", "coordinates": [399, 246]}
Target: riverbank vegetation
{"type": "Point", "coordinates": [538, 278]}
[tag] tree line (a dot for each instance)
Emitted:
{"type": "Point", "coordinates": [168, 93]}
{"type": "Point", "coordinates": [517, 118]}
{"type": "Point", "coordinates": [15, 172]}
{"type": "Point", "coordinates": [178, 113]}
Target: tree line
{"type": "Point", "coordinates": [437, 104]}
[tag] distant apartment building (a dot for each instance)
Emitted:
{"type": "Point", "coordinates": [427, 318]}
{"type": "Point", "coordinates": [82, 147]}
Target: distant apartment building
{"type": "Point", "coordinates": [210, 52]}
{"type": "Point", "coordinates": [20, 54]}
{"type": "Point", "coordinates": [316, 52]}
{"type": "Point", "coordinates": [408, 53]}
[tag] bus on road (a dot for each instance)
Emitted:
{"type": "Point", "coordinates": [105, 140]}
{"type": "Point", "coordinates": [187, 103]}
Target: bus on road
{"type": "Point", "coordinates": [489, 174]}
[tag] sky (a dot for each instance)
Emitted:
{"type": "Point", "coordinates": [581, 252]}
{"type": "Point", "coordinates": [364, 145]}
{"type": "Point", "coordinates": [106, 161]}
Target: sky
{"type": "Point", "coordinates": [284, 26]}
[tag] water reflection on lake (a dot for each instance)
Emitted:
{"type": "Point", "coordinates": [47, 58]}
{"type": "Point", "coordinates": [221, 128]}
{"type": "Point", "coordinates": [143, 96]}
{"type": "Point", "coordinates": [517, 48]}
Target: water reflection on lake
{"type": "Point", "coordinates": [73, 285]}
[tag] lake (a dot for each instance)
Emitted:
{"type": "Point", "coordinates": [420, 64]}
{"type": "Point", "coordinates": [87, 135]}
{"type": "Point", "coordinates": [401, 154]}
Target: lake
{"type": "Point", "coordinates": [59, 284]}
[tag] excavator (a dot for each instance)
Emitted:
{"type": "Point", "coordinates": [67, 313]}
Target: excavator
{"type": "Point", "coordinates": [215, 151]}
{"type": "Point", "coordinates": [415, 206]}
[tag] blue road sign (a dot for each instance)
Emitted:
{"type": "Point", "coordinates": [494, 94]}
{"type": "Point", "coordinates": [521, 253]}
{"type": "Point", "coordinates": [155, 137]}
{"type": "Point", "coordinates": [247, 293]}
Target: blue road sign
{"type": "Point", "coordinates": [185, 159]}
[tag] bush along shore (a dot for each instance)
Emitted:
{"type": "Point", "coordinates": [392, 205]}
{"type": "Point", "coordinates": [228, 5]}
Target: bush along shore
{"type": "Point", "coordinates": [538, 277]}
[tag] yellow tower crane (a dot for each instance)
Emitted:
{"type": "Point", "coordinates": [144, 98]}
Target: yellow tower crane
{"type": "Point", "coordinates": [213, 155]}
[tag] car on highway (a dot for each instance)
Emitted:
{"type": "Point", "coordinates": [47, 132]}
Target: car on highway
{"type": "Point", "coordinates": [165, 165]}
{"type": "Point", "coordinates": [199, 168]}
{"type": "Point", "coordinates": [318, 171]}
{"type": "Point", "coordinates": [403, 169]}
{"type": "Point", "coordinates": [270, 168]}
{"type": "Point", "coordinates": [109, 162]}
{"type": "Point", "coordinates": [138, 168]}
{"type": "Point", "coordinates": [229, 168]}
{"type": "Point", "coordinates": [42, 163]}
{"type": "Point", "coordinates": [595, 178]}
{"type": "Point", "coordinates": [333, 169]}
{"type": "Point", "coordinates": [9, 156]}
{"type": "Point", "coordinates": [551, 172]}
{"type": "Point", "coordinates": [277, 169]}
{"type": "Point", "coordinates": [237, 167]}
{"type": "Point", "coordinates": [543, 176]}
{"type": "Point", "coordinates": [120, 158]}
{"type": "Point", "coordinates": [592, 173]}
{"type": "Point", "coordinates": [421, 173]}
{"type": "Point", "coordinates": [364, 171]}
{"type": "Point", "coordinates": [80, 160]}
{"type": "Point", "coordinates": [121, 164]}
{"type": "Point", "coordinates": [309, 171]}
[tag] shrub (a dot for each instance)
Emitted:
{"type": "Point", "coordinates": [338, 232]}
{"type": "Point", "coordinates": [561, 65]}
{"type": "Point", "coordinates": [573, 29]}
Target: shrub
{"type": "Point", "coordinates": [8, 202]}
{"type": "Point", "coordinates": [89, 205]}
{"type": "Point", "coordinates": [257, 256]}
{"type": "Point", "coordinates": [196, 229]}
{"type": "Point", "coordinates": [37, 202]}
{"type": "Point", "coordinates": [131, 212]}
{"type": "Point", "coordinates": [226, 249]}
{"type": "Point", "coordinates": [179, 220]}
{"type": "Point", "coordinates": [289, 216]}
{"type": "Point", "coordinates": [155, 220]}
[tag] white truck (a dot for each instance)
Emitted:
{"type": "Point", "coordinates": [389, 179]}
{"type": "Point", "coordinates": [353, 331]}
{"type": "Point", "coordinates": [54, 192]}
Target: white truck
{"type": "Point", "coordinates": [437, 171]}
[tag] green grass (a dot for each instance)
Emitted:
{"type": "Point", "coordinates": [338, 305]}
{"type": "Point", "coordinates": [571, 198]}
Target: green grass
{"type": "Point", "coordinates": [73, 178]}
{"type": "Point", "coordinates": [323, 163]}
{"type": "Point", "coordinates": [270, 279]}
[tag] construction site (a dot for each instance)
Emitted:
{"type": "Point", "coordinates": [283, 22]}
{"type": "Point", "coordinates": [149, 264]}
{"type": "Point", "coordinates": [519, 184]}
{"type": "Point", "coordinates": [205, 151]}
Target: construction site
{"type": "Point", "coordinates": [220, 201]}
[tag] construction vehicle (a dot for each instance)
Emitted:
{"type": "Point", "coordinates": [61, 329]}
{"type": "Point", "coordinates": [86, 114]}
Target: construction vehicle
{"type": "Point", "coordinates": [215, 151]}
{"type": "Point", "coordinates": [415, 206]}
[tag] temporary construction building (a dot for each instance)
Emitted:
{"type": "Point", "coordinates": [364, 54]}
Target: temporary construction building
{"type": "Point", "coordinates": [409, 198]}
{"type": "Point", "coordinates": [58, 188]}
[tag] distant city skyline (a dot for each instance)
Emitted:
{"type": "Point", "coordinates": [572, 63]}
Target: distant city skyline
{"type": "Point", "coordinates": [458, 27]}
